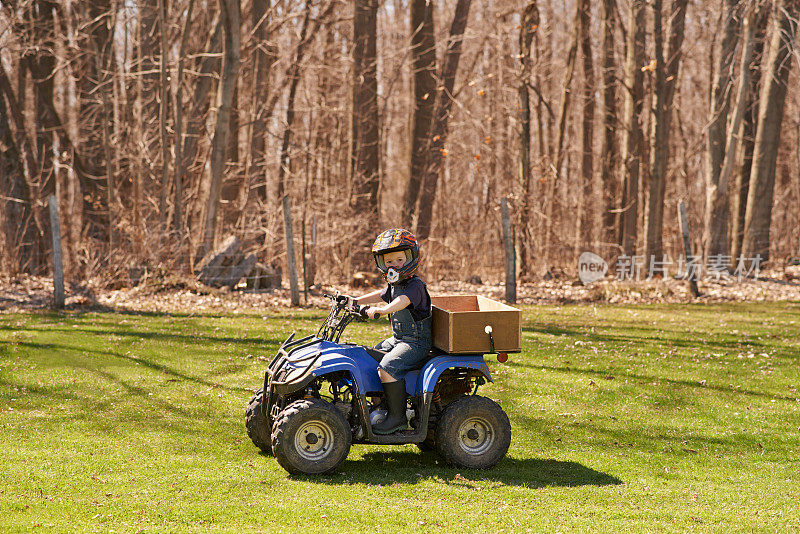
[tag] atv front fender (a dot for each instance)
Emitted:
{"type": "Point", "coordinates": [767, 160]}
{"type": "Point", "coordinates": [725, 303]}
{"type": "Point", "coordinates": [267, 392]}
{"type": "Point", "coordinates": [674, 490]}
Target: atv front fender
{"type": "Point", "coordinates": [293, 371]}
{"type": "Point", "coordinates": [355, 360]}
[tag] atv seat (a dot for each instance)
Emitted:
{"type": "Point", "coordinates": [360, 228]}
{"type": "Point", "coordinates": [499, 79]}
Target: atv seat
{"type": "Point", "coordinates": [378, 355]}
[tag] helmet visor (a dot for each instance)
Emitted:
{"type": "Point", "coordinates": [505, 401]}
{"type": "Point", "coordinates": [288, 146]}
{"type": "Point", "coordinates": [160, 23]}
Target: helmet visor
{"type": "Point", "coordinates": [380, 259]}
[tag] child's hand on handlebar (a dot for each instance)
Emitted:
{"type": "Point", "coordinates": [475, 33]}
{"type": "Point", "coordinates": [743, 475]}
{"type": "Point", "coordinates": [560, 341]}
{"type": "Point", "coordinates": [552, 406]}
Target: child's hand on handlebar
{"type": "Point", "coordinates": [373, 312]}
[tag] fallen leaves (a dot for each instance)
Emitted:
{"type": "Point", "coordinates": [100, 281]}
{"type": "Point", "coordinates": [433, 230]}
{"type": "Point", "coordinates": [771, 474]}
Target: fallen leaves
{"type": "Point", "coordinates": [28, 293]}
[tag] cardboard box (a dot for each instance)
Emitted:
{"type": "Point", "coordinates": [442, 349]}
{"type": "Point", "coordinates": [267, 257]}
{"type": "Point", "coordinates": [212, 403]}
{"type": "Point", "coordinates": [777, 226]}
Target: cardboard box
{"type": "Point", "coordinates": [459, 322]}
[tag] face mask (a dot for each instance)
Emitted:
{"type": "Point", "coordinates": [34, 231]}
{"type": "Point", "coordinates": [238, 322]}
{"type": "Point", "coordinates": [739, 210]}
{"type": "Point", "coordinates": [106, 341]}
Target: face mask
{"type": "Point", "coordinates": [392, 275]}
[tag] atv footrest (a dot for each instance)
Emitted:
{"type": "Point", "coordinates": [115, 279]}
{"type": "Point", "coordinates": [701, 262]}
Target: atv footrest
{"type": "Point", "coordinates": [399, 437]}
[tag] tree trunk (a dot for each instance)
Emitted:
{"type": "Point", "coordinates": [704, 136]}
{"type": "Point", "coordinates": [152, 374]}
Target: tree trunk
{"type": "Point", "coordinates": [219, 147]}
{"type": "Point", "coordinates": [365, 138]}
{"type": "Point", "coordinates": [41, 65]}
{"type": "Point", "coordinates": [179, 167]}
{"type": "Point", "coordinates": [717, 245]}
{"type": "Point", "coordinates": [748, 136]}
{"type": "Point", "coordinates": [25, 183]}
{"type": "Point", "coordinates": [148, 41]}
{"type": "Point", "coordinates": [530, 23]}
{"type": "Point", "coordinates": [18, 225]}
{"type": "Point", "coordinates": [208, 66]}
{"type": "Point", "coordinates": [266, 54]}
{"type": "Point", "coordinates": [444, 101]}
{"type": "Point", "coordinates": [164, 96]}
{"type": "Point", "coordinates": [551, 197]}
{"type": "Point", "coordinates": [423, 54]}
{"type": "Point", "coordinates": [770, 116]}
{"type": "Point", "coordinates": [94, 70]}
{"type": "Point", "coordinates": [148, 112]}
{"type": "Point", "coordinates": [632, 133]}
{"type": "Point", "coordinates": [196, 120]}
{"type": "Point", "coordinates": [586, 201]}
{"type": "Point", "coordinates": [716, 214]}
{"type": "Point", "coordinates": [284, 161]}
{"type": "Point", "coordinates": [293, 75]}
{"type": "Point", "coordinates": [663, 94]}
{"type": "Point", "coordinates": [608, 149]}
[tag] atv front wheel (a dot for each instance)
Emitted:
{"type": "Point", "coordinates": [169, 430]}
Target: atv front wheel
{"type": "Point", "coordinates": [473, 432]}
{"type": "Point", "coordinates": [310, 436]}
{"type": "Point", "coordinates": [257, 423]}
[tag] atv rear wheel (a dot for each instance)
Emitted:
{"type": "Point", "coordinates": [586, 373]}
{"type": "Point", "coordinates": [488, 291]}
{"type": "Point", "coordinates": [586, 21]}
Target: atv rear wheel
{"type": "Point", "coordinates": [310, 436]}
{"type": "Point", "coordinates": [473, 432]}
{"type": "Point", "coordinates": [257, 423]}
{"type": "Point", "coordinates": [430, 438]}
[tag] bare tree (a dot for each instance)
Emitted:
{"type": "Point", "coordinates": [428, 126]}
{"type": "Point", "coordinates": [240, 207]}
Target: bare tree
{"type": "Point", "coordinates": [208, 64]}
{"type": "Point", "coordinates": [90, 114]}
{"type": "Point", "coordinates": [19, 168]}
{"type": "Point", "coordinates": [94, 71]}
{"type": "Point", "coordinates": [552, 199]}
{"type": "Point", "coordinates": [444, 102]}
{"type": "Point", "coordinates": [230, 15]}
{"type": "Point", "coordinates": [308, 32]}
{"type": "Point", "coordinates": [18, 226]}
{"type": "Point", "coordinates": [663, 96]}
{"type": "Point", "coordinates": [718, 242]}
{"type": "Point", "coordinates": [530, 23]}
{"type": "Point", "coordinates": [423, 61]}
{"type": "Point", "coordinates": [770, 116]}
{"type": "Point", "coordinates": [41, 65]}
{"type": "Point", "coordinates": [747, 134]}
{"type": "Point", "coordinates": [365, 132]}
{"type": "Point", "coordinates": [632, 133]}
{"type": "Point", "coordinates": [179, 167]}
{"type": "Point", "coordinates": [163, 109]}
{"type": "Point", "coordinates": [266, 54]}
{"type": "Point", "coordinates": [583, 235]}
{"type": "Point", "coordinates": [732, 142]}
{"type": "Point", "coordinates": [609, 149]}
{"type": "Point", "coordinates": [716, 214]}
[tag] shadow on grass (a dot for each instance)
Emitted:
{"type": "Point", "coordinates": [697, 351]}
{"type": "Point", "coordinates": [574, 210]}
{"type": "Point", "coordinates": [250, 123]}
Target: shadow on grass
{"type": "Point", "coordinates": [139, 334]}
{"type": "Point", "coordinates": [406, 467]}
{"type": "Point", "coordinates": [127, 357]}
{"type": "Point", "coordinates": [653, 380]}
{"type": "Point", "coordinates": [303, 312]}
{"type": "Point", "coordinates": [647, 336]}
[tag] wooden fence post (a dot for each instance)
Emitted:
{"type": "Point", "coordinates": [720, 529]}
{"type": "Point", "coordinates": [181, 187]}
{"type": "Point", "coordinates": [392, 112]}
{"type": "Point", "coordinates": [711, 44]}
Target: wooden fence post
{"type": "Point", "coordinates": [305, 276]}
{"type": "Point", "coordinates": [58, 267]}
{"type": "Point", "coordinates": [687, 248]}
{"type": "Point", "coordinates": [511, 261]}
{"type": "Point", "coordinates": [290, 257]}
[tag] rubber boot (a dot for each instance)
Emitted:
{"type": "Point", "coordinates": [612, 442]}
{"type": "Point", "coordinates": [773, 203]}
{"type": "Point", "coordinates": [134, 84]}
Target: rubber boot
{"type": "Point", "coordinates": [396, 404]}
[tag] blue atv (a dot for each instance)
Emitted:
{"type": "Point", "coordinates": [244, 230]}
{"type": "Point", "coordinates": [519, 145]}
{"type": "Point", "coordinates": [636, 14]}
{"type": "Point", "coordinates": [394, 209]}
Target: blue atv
{"type": "Point", "coordinates": [320, 396]}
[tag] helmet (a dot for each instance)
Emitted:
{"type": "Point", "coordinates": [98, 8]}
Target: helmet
{"type": "Point", "coordinates": [396, 240]}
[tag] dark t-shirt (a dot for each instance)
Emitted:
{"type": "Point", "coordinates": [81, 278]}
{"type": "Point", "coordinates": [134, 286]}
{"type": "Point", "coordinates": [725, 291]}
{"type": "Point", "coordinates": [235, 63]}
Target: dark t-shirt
{"type": "Point", "coordinates": [416, 291]}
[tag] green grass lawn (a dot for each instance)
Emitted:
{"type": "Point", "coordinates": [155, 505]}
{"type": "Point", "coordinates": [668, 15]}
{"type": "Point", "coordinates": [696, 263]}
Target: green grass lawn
{"type": "Point", "coordinates": [648, 418]}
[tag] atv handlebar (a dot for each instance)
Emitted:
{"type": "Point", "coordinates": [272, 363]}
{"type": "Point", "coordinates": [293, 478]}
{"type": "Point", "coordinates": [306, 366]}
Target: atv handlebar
{"type": "Point", "coordinates": [363, 312]}
{"type": "Point", "coordinates": [349, 305]}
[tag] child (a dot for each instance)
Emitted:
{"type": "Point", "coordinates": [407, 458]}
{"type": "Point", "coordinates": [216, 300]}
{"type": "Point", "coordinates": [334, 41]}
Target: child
{"type": "Point", "coordinates": [396, 254]}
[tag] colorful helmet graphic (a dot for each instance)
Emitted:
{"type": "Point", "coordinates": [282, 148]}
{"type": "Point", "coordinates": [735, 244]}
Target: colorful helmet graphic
{"type": "Point", "coordinates": [396, 240]}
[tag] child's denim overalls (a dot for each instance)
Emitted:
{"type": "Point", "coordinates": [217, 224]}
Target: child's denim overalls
{"type": "Point", "coordinates": [408, 346]}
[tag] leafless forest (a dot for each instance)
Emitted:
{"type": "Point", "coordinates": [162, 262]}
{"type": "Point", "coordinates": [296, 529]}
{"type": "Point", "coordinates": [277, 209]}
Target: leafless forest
{"type": "Point", "coordinates": [164, 126]}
